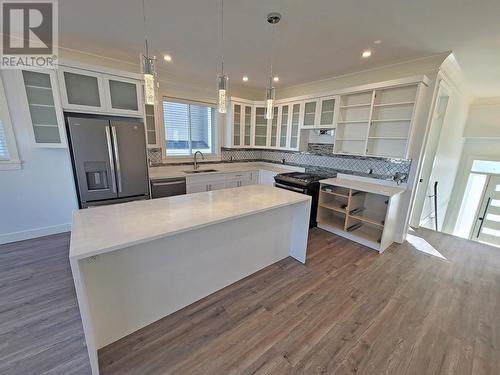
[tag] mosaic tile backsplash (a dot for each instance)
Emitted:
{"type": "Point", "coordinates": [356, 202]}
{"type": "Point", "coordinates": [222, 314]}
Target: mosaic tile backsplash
{"type": "Point", "coordinates": [359, 165]}
{"type": "Point", "coordinates": [319, 159]}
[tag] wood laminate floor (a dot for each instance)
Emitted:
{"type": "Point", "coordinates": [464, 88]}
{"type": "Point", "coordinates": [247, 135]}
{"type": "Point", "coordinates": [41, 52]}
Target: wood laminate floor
{"type": "Point", "coordinates": [349, 310]}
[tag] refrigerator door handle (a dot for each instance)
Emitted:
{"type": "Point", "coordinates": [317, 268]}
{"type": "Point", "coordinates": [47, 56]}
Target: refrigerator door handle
{"type": "Point", "coordinates": [111, 162]}
{"type": "Point", "coordinates": [117, 158]}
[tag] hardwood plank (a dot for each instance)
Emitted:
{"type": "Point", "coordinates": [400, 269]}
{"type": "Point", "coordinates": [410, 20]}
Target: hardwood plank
{"type": "Point", "coordinates": [348, 310]}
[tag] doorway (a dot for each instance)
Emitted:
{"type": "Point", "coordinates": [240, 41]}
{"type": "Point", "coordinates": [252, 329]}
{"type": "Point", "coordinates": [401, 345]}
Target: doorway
{"type": "Point", "coordinates": [479, 215]}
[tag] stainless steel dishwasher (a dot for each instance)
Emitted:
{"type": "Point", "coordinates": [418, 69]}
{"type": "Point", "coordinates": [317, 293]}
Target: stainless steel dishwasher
{"type": "Point", "coordinates": [168, 187]}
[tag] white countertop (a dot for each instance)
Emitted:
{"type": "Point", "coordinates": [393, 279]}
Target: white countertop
{"type": "Point", "coordinates": [369, 185]}
{"type": "Point", "coordinates": [178, 170]}
{"type": "Point", "coordinates": [103, 229]}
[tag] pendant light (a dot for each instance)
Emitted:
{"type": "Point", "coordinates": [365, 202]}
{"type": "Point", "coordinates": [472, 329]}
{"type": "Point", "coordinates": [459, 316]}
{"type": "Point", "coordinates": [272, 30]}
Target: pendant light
{"type": "Point", "coordinates": [148, 68]}
{"type": "Point", "coordinates": [273, 19]}
{"type": "Point", "coordinates": [222, 78]}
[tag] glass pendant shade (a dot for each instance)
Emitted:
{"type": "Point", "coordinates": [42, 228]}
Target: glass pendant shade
{"type": "Point", "coordinates": [270, 97]}
{"type": "Point", "coordinates": [222, 93]}
{"type": "Point", "coordinates": [149, 75]}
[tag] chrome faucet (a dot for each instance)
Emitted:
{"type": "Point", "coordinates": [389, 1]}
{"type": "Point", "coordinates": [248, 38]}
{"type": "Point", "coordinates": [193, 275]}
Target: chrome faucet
{"type": "Point", "coordinates": [195, 164]}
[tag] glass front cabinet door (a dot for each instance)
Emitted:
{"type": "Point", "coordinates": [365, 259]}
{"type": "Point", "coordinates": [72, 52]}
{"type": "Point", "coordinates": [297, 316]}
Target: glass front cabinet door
{"type": "Point", "coordinates": [82, 90]}
{"type": "Point", "coordinates": [247, 125]}
{"type": "Point", "coordinates": [284, 120]}
{"type": "Point", "coordinates": [294, 128]}
{"type": "Point", "coordinates": [328, 110]}
{"type": "Point", "coordinates": [236, 125]}
{"type": "Point", "coordinates": [43, 102]}
{"type": "Point", "coordinates": [261, 125]}
{"type": "Point", "coordinates": [123, 95]}
{"type": "Point", "coordinates": [310, 115]}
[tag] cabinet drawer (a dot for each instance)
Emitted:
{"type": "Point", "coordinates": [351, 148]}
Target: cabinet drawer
{"type": "Point", "coordinates": [240, 176]}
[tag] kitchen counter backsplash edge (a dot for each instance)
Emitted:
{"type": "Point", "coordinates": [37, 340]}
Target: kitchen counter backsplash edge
{"type": "Point", "coordinates": [374, 167]}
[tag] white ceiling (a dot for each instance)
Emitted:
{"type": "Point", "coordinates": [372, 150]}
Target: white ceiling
{"type": "Point", "coordinates": [316, 38]}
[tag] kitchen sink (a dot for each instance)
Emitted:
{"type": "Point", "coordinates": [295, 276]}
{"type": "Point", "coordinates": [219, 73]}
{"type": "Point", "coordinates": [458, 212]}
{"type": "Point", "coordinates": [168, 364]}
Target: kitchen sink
{"type": "Point", "coordinates": [201, 171]}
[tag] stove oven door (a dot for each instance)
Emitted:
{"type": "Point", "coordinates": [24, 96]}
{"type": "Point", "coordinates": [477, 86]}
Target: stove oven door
{"type": "Point", "coordinates": [291, 188]}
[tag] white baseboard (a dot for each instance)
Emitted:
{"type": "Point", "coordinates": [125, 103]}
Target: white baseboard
{"type": "Point", "coordinates": [33, 233]}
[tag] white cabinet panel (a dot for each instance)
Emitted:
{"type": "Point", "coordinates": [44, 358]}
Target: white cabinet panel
{"type": "Point", "coordinates": [81, 90]}
{"type": "Point", "coordinates": [123, 95]}
{"type": "Point", "coordinates": [44, 107]}
{"type": "Point", "coordinates": [93, 92]}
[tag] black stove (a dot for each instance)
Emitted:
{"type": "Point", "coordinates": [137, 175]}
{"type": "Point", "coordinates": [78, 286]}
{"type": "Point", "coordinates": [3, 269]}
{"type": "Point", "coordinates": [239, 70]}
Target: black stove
{"type": "Point", "coordinates": [304, 183]}
{"type": "Point", "coordinates": [297, 178]}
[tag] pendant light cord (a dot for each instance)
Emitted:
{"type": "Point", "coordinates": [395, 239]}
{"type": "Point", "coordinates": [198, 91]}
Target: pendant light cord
{"type": "Point", "coordinates": [145, 29]}
{"type": "Point", "coordinates": [222, 36]}
{"type": "Point", "coordinates": [271, 57]}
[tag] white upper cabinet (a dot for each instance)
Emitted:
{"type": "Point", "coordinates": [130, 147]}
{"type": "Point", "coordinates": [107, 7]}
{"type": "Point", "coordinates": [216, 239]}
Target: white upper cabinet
{"type": "Point", "coordinates": [274, 129]}
{"type": "Point", "coordinates": [43, 103]}
{"type": "Point", "coordinates": [81, 90]}
{"type": "Point", "coordinates": [369, 120]}
{"type": "Point", "coordinates": [152, 138]}
{"type": "Point", "coordinates": [123, 95]}
{"type": "Point", "coordinates": [327, 112]}
{"type": "Point", "coordinates": [284, 122]}
{"type": "Point", "coordinates": [247, 125]}
{"type": "Point", "coordinates": [261, 127]}
{"type": "Point", "coordinates": [310, 113]}
{"type": "Point", "coordinates": [93, 92]}
{"type": "Point", "coordinates": [237, 138]}
{"type": "Point", "coordinates": [294, 126]}
{"type": "Point", "coordinates": [377, 122]}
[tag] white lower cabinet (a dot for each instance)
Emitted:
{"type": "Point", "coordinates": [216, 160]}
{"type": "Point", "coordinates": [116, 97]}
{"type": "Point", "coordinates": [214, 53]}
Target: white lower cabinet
{"type": "Point", "coordinates": [197, 184]}
{"type": "Point", "coordinates": [266, 177]}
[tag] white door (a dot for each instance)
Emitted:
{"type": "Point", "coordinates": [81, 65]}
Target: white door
{"type": "Point", "coordinates": [487, 227]}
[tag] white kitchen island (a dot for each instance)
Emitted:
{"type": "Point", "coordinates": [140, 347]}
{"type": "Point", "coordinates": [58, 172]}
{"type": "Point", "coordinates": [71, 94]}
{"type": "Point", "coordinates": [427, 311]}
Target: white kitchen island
{"type": "Point", "coordinates": [136, 262]}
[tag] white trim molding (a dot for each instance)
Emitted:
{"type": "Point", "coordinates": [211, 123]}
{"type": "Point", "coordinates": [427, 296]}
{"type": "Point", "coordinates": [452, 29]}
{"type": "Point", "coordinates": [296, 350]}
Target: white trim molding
{"type": "Point", "coordinates": [33, 233]}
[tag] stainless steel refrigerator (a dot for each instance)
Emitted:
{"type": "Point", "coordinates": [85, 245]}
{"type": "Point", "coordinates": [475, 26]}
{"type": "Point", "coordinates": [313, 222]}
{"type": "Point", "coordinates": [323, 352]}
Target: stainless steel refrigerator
{"type": "Point", "coordinates": [109, 159]}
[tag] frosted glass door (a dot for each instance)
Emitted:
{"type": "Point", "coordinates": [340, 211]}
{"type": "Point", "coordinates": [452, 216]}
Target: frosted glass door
{"type": "Point", "coordinates": [123, 95]}
{"type": "Point", "coordinates": [46, 120]}
{"type": "Point", "coordinates": [82, 89]}
{"type": "Point", "coordinates": [284, 125]}
{"type": "Point", "coordinates": [310, 113]}
{"type": "Point", "coordinates": [327, 112]}
{"type": "Point", "coordinates": [150, 125]}
{"type": "Point", "coordinates": [294, 137]}
{"type": "Point", "coordinates": [248, 125]}
{"type": "Point", "coordinates": [274, 128]}
{"type": "Point", "coordinates": [260, 127]}
{"type": "Point", "coordinates": [236, 125]}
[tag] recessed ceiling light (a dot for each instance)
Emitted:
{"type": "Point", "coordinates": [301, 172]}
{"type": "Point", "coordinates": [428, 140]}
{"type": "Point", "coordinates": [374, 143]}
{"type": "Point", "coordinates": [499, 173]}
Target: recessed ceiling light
{"type": "Point", "coordinates": [366, 54]}
{"type": "Point", "coordinates": [276, 79]}
{"type": "Point", "coordinates": [167, 58]}
{"type": "Point", "coordinates": [245, 79]}
{"type": "Point", "coordinates": [378, 41]}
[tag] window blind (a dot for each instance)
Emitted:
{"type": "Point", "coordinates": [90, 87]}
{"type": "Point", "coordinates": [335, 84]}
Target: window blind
{"type": "Point", "coordinates": [188, 128]}
{"type": "Point", "coordinates": [4, 155]}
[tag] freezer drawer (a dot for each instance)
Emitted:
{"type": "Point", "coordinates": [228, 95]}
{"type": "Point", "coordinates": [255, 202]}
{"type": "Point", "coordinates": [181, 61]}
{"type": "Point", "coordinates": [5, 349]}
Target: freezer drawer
{"type": "Point", "coordinates": [168, 187]}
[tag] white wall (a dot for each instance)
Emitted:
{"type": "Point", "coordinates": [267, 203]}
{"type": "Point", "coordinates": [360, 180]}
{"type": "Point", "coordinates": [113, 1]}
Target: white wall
{"type": "Point", "coordinates": [39, 198]}
{"type": "Point", "coordinates": [483, 119]}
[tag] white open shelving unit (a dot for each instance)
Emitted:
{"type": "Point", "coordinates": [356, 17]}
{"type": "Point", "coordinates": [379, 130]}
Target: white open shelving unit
{"type": "Point", "coordinates": [361, 211]}
{"type": "Point", "coordinates": [376, 122]}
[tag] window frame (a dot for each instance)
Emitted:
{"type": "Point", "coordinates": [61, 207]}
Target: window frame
{"type": "Point", "coordinates": [218, 121]}
{"type": "Point", "coordinates": [13, 162]}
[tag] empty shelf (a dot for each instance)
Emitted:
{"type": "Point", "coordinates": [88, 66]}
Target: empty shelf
{"type": "Point", "coordinates": [335, 206]}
